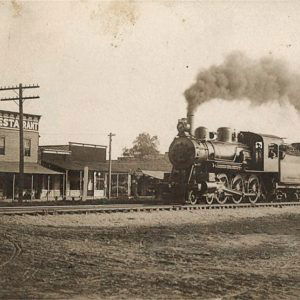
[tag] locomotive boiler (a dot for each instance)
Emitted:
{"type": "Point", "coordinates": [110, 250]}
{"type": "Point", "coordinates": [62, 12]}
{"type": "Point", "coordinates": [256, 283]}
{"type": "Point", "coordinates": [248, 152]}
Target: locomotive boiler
{"type": "Point", "coordinates": [228, 166]}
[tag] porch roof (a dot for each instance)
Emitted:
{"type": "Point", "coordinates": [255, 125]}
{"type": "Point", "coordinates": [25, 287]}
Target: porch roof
{"type": "Point", "coordinates": [153, 174]}
{"type": "Point", "coordinates": [29, 168]}
{"type": "Point", "coordinates": [117, 166]}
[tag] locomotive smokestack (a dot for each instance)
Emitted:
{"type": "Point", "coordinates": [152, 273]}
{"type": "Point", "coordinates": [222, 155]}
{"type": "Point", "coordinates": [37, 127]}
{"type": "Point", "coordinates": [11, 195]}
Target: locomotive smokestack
{"type": "Point", "coordinates": [190, 120]}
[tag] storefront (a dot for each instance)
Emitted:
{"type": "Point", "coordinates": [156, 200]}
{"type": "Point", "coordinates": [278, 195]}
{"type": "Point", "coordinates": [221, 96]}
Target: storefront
{"type": "Point", "coordinates": [81, 166]}
{"type": "Point", "coordinates": [39, 182]}
{"type": "Point", "coordinates": [85, 172]}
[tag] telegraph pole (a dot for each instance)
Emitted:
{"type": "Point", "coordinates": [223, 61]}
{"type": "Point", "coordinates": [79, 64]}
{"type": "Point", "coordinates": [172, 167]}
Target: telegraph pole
{"type": "Point", "coordinates": [21, 154]}
{"type": "Point", "coordinates": [19, 101]}
{"type": "Point", "coordinates": [109, 167]}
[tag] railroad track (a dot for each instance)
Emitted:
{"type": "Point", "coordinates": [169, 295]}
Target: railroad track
{"type": "Point", "coordinates": [81, 209]}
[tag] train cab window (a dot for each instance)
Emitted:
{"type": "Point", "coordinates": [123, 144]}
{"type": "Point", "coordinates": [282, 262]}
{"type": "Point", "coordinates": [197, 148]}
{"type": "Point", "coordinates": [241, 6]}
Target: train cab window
{"type": "Point", "coordinates": [258, 150]}
{"type": "Point", "coordinates": [272, 151]}
{"type": "Point", "coordinates": [258, 146]}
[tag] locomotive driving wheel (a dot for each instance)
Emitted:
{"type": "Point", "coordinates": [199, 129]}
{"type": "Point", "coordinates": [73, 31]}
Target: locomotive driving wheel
{"type": "Point", "coordinates": [237, 185]}
{"type": "Point", "coordinates": [254, 188]}
{"type": "Point", "coordinates": [191, 197]}
{"type": "Point", "coordinates": [221, 197]}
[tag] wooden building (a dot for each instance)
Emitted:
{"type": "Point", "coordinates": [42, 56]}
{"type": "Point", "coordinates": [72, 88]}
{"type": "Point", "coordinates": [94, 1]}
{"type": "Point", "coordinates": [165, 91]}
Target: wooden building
{"type": "Point", "coordinates": [85, 171]}
{"type": "Point", "coordinates": [38, 180]}
{"type": "Point", "coordinates": [81, 165]}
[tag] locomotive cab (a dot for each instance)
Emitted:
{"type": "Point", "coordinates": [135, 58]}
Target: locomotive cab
{"type": "Point", "coordinates": [265, 150]}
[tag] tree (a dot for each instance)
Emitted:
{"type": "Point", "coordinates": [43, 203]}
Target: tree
{"type": "Point", "coordinates": [144, 146]}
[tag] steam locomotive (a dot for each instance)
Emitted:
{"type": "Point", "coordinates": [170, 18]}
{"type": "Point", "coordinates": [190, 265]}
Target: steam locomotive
{"type": "Point", "coordinates": [233, 167]}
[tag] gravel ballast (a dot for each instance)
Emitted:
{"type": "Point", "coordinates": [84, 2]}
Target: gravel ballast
{"type": "Point", "coordinates": [227, 254]}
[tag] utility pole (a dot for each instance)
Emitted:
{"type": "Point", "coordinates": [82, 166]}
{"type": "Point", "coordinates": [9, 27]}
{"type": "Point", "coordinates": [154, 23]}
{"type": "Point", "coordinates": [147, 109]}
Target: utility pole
{"type": "Point", "coordinates": [109, 167]}
{"type": "Point", "coordinates": [19, 101]}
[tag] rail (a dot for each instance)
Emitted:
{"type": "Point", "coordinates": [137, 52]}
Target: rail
{"type": "Point", "coordinates": [81, 209]}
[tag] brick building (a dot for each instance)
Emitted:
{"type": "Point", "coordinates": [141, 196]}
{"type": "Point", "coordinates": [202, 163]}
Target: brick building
{"type": "Point", "coordinates": [38, 181]}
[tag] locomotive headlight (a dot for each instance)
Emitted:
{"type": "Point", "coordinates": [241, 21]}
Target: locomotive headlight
{"type": "Point", "coordinates": [182, 126]}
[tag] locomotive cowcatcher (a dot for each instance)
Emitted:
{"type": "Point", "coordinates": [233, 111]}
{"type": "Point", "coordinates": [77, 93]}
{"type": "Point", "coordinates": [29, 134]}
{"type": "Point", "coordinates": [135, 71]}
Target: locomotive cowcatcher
{"type": "Point", "coordinates": [225, 166]}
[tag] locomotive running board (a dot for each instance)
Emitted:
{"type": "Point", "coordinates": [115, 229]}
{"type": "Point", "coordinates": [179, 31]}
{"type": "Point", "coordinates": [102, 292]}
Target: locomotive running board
{"type": "Point", "coordinates": [285, 186]}
{"type": "Point", "coordinates": [228, 165]}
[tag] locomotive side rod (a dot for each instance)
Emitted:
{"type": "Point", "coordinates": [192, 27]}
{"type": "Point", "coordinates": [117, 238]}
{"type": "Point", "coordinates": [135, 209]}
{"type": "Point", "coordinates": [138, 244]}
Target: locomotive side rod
{"type": "Point", "coordinates": [234, 192]}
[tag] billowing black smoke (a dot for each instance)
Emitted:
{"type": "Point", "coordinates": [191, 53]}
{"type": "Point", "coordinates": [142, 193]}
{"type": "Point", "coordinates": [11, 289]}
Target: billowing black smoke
{"type": "Point", "coordinates": [240, 77]}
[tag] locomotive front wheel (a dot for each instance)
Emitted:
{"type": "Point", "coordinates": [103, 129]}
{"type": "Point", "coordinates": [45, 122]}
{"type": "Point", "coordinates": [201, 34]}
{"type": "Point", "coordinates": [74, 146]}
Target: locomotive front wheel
{"type": "Point", "coordinates": [209, 199]}
{"type": "Point", "coordinates": [295, 196]}
{"type": "Point", "coordinates": [254, 188]}
{"type": "Point", "coordinates": [237, 185]}
{"type": "Point", "coordinates": [192, 198]}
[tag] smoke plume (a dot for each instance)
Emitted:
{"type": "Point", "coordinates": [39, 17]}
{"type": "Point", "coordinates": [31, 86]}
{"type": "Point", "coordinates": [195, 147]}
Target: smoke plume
{"type": "Point", "coordinates": [239, 77]}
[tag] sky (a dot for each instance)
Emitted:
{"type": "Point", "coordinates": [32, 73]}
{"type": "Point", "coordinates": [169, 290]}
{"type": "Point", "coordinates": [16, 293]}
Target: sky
{"type": "Point", "coordinates": [122, 67]}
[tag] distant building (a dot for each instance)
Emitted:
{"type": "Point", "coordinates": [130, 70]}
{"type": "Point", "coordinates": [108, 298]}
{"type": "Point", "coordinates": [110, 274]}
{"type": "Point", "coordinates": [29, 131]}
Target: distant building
{"type": "Point", "coordinates": [82, 168]}
{"type": "Point", "coordinates": [145, 173]}
{"type": "Point", "coordinates": [38, 180]}
{"type": "Point", "coordinates": [129, 175]}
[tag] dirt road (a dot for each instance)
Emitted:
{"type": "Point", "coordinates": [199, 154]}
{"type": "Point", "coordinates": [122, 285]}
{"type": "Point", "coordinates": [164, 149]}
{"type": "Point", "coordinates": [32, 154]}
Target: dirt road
{"type": "Point", "coordinates": [240, 254]}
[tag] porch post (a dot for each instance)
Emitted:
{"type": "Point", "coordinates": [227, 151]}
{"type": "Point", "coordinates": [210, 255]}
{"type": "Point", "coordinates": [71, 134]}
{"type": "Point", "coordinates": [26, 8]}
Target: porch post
{"type": "Point", "coordinates": [14, 180]}
{"type": "Point", "coordinates": [48, 187]}
{"type": "Point", "coordinates": [80, 182]}
{"type": "Point", "coordinates": [117, 185]}
{"type": "Point", "coordinates": [31, 196]}
{"type": "Point", "coordinates": [63, 186]}
{"type": "Point", "coordinates": [85, 182]}
{"type": "Point", "coordinates": [67, 179]}
{"type": "Point", "coordinates": [129, 185]}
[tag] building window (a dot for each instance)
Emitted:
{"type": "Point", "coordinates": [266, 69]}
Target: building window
{"type": "Point", "coordinates": [74, 180]}
{"type": "Point", "coordinates": [2, 145]}
{"type": "Point", "coordinates": [27, 147]}
{"type": "Point", "coordinates": [100, 181]}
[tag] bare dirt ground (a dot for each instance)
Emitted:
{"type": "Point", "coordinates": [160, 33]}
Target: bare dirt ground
{"type": "Point", "coordinates": [232, 254]}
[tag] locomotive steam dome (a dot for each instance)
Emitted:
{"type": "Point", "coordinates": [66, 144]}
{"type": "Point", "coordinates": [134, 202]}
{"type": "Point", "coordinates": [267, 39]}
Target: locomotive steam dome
{"type": "Point", "coordinates": [224, 134]}
{"type": "Point", "coordinates": [182, 152]}
{"type": "Point", "coordinates": [201, 133]}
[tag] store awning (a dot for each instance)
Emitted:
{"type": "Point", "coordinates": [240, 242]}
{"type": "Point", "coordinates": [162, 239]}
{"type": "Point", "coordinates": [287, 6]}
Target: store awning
{"type": "Point", "coordinates": [154, 174]}
{"type": "Point", "coordinates": [29, 168]}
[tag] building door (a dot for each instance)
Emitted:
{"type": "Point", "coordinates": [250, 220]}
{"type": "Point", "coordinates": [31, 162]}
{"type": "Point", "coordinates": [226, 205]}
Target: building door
{"type": "Point", "coordinates": [90, 188]}
{"type": "Point", "coordinates": [114, 185]}
{"type": "Point", "coordinates": [7, 182]}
